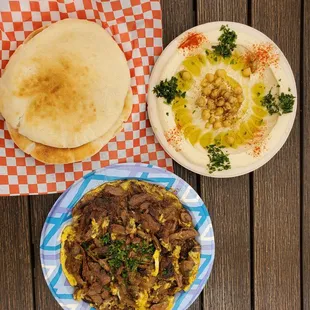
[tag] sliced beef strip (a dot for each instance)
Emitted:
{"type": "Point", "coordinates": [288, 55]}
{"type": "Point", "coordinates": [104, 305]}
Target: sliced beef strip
{"type": "Point", "coordinates": [186, 266]}
{"type": "Point", "coordinates": [186, 217]}
{"type": "Point", "coordinates": [148, 222]}
{"type": "Point", "coordinates": [138, 199]}
{"type": "Point", "coordinates": [184, 234]}
{"type": "Point", "coordinates": [160, 306]}
{"type": "Point", "coordinates": [104, 278]}
{"type": "Point", "coordinates": [114, 190]}
{"type": "Point", "coordinates": [168, 228]}
{"type": "Point", "coordinates": [117, 229]}
{"type": "Point", "coordinates": [97, 299]}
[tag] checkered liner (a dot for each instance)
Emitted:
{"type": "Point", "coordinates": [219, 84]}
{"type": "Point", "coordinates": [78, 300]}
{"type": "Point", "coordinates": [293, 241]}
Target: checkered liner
{"type": "Point", "coordinates": [136, 27]}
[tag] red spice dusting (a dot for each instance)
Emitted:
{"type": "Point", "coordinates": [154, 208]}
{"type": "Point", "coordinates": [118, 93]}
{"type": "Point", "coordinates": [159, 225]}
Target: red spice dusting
{"type": "Point", "coordinates": [192, 41]}
{"type": "Point", "coordinates": [261, 56]}
{"type": "Point", "coordinates": [258, 142]}
{"type": "Point", "coordinates": [174, 138]}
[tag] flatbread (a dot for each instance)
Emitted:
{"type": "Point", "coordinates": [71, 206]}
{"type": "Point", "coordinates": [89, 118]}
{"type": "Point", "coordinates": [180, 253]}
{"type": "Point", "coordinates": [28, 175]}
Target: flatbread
{"type": "Point", "coordinates": [66, 86]}
{"type": "Point", "coordinates": [51, 155]}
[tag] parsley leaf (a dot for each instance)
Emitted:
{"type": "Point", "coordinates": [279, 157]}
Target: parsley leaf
{"type": "Point", "coordinates": [105, 239]}
{"type": "Point", "coordinates": [282, 104]}
{"type": "Point", "coordinates": [168, 89]}
{"type": "Point", "coordinates": [226, 42]}
{"type": "Point", "coordinates": [219, 161]}
{"type": "Point", "coordinates": [286, 103]}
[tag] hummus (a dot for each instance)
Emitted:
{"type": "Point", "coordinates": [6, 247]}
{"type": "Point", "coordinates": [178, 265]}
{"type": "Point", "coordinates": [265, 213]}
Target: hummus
{"type": "Point", "coordinates": [231, 113]}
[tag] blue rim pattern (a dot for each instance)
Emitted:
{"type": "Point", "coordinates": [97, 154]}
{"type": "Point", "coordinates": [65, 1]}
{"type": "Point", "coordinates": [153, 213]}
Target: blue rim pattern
{"type": "Point", "coordinates": [60, 216]}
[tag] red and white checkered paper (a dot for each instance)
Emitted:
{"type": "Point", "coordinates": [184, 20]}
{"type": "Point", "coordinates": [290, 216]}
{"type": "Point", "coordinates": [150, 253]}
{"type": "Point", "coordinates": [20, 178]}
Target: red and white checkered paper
{"type": "Point", "coordinates": [136, 27]}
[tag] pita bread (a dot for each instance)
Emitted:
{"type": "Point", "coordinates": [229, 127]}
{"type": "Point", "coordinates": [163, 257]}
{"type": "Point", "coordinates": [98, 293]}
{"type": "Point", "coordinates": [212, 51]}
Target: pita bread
{"type": "Point", "coordinates": [66, 85]}
{"type": "Point", "coordinates": [51, 155]}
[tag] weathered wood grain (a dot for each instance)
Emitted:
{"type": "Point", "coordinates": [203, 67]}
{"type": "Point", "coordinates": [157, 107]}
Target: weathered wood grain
{"type": "Point", "coordinates": [16, 287]}
{"type": "Point", "coordinates": [173, 25]}
{"type": "Point", "coordinates": [228, 201]}
{"type": "Point", "coordinates": [305, 113]}
{"type": "Point", "coordinates": [40, 206]}
{"type": "Point", "coordinates": [277, 184]}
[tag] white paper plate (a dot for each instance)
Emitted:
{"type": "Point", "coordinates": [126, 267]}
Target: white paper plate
{"type": "Point", "coordinates": [241, 163]}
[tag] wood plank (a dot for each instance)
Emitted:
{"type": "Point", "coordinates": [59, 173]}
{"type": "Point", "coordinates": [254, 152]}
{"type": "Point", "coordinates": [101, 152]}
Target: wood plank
{"type": "Point", "coordinates": [16, 287]}
{"type": "Point", "coordinates": [277, 184]}
{"type": "Point", "coordinates": [228, 201]}
{"type": "Point", "coordinates": [306, 151]}
{"type": "Point", "coordinates": [173, 26]}
{"type": "Point", "coordinates": [40, 206]}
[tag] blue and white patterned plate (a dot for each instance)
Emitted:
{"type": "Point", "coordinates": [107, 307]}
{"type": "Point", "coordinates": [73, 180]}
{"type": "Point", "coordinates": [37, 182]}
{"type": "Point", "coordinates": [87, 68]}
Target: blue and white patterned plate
{"type": "Point", "coordinates": [60, 216]}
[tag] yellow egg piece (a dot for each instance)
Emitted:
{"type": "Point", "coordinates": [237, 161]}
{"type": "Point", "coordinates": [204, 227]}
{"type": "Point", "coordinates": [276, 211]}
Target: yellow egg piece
{"type": "Point", "coordinates": [193, 64]}
{"type": "Point", "coordinates": [193, 137]}
{"type": "Point", "coordinates": [182, 84]}
{"type": "Point", "coordinates": [245, 132]}
{"type": "Point", "coordinates": [258, 90]}
{"type": "Point", "coordinates": [259, 111]}
{"type": "Point", "coordinates": [206, 139]}
{"type": "Point", "coordinates": [212, 57]}
{"type": "Point", "coordinates": [182, 117]}
{"type": "Point", "coordinates": [179, 102]}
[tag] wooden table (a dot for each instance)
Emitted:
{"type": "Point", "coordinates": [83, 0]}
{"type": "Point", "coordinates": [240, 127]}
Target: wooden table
{"type": "Point", "coordinates": [261, 220]}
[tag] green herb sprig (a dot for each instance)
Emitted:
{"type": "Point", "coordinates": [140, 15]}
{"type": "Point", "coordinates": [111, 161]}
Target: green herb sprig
{"type": "Point", "coordinates": [168, 89]}
{"type": "Point", "coordinates": [227, 42]}
{"type": "Point", "coordinates": [219, 161]}
{"type": "Point", "coordinates": [281, 104]}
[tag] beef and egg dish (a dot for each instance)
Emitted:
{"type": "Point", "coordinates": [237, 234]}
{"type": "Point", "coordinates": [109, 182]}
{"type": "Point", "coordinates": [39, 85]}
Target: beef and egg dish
{"type": "Point", "coordinates": [131, 245]}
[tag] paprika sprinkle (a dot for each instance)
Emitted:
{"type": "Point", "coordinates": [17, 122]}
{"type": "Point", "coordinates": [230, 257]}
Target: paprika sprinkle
{"type": "Point", "coordinates": [261, 56]}
{"type": "Point", "coordinates": [192, 41]}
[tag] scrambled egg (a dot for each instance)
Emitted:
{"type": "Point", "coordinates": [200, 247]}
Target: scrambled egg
{"type": "Point", "coordinates": [156, 256]}
{"type": "Point", "coordinates": [105, 223]}
{"type": "Point", "coordinates": [131, 227]}
{"type": "Point", "coordinates": [175, 258]}
{"type": "Point", "coordinates": [95, 228]}
{"type": "Point", "coordinates": [195, 256]}
{"type": "Point", "coordinates": [142, 301]}
{"type": "Point", "coordinates": [67, 234]}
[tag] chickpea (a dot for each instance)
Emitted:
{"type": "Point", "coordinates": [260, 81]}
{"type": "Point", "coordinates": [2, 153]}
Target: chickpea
{"type": "Point", "coordinates": [218, 82]}
{"type": "Point", "coordinates": [220, 72]}
{"type": "Point", "coordinates": [240, 98]}
{"type": "Point", "coordinates": [204, 83]}
{"type": "Point", "coordinates": [217, 125]}
{"type": "Point", "coordinates": [212, 120]}
{"type": "Point", "coordinates": [219, 111]}
{"type": "Point", "coordinates": [214, 93]}
{"type": "Point", "coordinates": [186, 76]}
{"type": "Point", "coordinates": [232, 100]}
{"type": "Point", "coordinates": [246, 72]}
{"type": "Point", "coordinates": [211, 104]}
{"type": "Point", "coordinates": [205, 114]}
{"type": "Point", "coordinates": [206, 91]}
{"type": "Point", "coordinates": [223, 91]}
{"type": "Point", "coordinates": [210, 77]}
{"type": "Point", "coordinates": [226, 123]}
{"type": "Point", "coordinates": [227, 106]}
{"type": "Point", "coordinates": [230, 140]}
{"type": "Point", "coordinates": [220, 102]}
{"type": "Point", "coordinates": [227, 95]}
{"type": "Point", "coordinates": [238, 90]}
{"type": "Point", "coordinates": [201, 102]}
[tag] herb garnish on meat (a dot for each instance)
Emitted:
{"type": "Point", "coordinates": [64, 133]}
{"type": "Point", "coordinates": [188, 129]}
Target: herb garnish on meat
{"type": "Point", "coordinates": [168, 89]}
{"type": "Point", "coordinates": [281, 104]}
{"type": "Point", "coordinates": [226, 42]}
{"type": "Point", "coordinates": [219, 161]}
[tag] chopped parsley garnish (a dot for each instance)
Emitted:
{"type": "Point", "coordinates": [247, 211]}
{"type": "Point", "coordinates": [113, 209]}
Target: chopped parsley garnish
{"type": "Point", "coordinates": [193, 111]}
{"type": "Point", "coordinates": [286, 103]}
{"type": "Point", "coordinates": [118, 254]}
{"type": "Point", "coordinates": [281, 104]}
{"type": "Point", "coordinates": [258, 94]}
{"type": "Point", "coordinates": [226, 42]}
{"type": "Point", "coordinates": [105, 239]}
{"type": "Point", "coordinates": [232, 62]}
{"type": "Point", "coordinates": [219, 161]}
{"type": "Point", "coordinates": [269, 102]}
{"type": "Point", "coordinates": [168, 90]}
{"type": "Point", "coordinates": [167, 113]}
{"type": "Point", "coordinates": [289, 89]}
{"type": "Point", "coordinates": [164, 272]}
{"type": "Point", "coordinates": [85, 245]}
